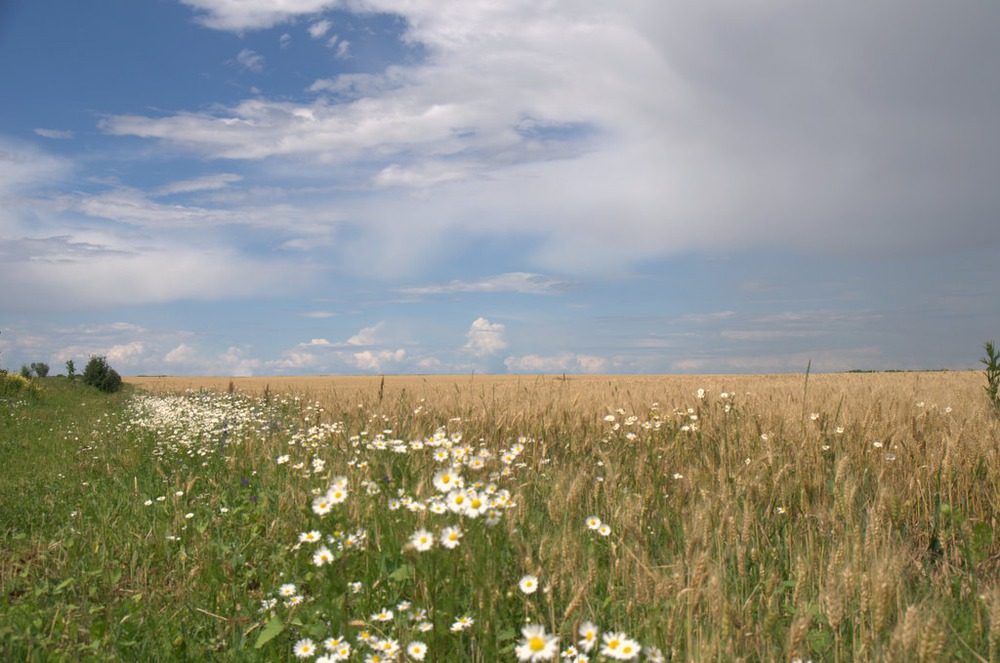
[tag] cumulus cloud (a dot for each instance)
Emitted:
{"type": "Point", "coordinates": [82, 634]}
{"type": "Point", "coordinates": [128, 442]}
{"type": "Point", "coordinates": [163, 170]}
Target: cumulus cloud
{"type": "Point", "coordinates": [566, 362]}
{"type": "Point", "coordinates": [378, 360]}
{"type": "Point", "coordinates": [485, 337]}
{"type": "Point", "coordinates": [368, 335]}
{"type": "Point", "coordinates": [182, 354]}
{"type": "Point", "coordinates": [127, 354]}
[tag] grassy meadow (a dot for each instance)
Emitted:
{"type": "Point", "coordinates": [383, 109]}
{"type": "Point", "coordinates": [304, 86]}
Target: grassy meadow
{"type": "Point", "coordinates": [847, 517]}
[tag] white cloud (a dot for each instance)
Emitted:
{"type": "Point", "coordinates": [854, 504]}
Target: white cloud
{"type": "Point", "coordinates": [57, 134]}
{"type": "Point", "coordinates": [136, 277]}
{"type": "Point", "coordinates": [250, 60]}
{"type": "Point", "coordinates": [182, 354]}
{"type": "Point", "coordinates": [566, 362]}
{"type": "Point", "coordinates": [485, 337]}
{"type": "Point", "coordinates": [126, 355]}
{"type": "Point", "coordinates": [380, 360]}
{"type": "Point", "coordinates": [242, 15]}
{"type": "Point", "coordinates": [206, 183]}
{"type": "Point", "coordinates": [522, 282]}
{"type": "Point", "coordinates": [368, 335]}
{"type": "Point", "coordinates": [319, 28]}
{"type": "Point", "coordinates": [24, 168]}
{"type": "Point", "coordinates": [612, 135]}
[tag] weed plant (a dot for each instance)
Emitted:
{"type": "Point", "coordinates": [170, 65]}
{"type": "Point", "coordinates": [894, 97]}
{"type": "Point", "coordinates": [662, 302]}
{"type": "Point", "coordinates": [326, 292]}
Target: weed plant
{"type": "Point", "coordinates": [692, 518]}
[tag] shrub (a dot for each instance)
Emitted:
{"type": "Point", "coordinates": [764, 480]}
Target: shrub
{"type": "Point", "coordinates": [16, 385]}
{"type": "Point", "coordinates": [98, 373]}
{"type": "Point", "coordinates": [992, 372]}
{"type": "Point", "coordinates": [70, 369]}
{"type": "Point", "coordinates": [40, 369]}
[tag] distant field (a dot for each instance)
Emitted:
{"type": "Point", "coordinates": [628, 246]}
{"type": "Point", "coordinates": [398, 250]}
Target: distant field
{"type": "Point", "coordinates": [588, 394]}
{"type": "Point", "coordinates": [498, 518]}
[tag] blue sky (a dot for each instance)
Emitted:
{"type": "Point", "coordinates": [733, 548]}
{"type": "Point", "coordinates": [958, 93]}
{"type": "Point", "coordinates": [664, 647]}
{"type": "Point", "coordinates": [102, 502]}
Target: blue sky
{"type": "Point", "coordinates": [262, 187]}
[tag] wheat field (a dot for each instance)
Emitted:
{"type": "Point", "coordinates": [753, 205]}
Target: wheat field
{"type": "Point", "coordinates": [589, 518]}
{"type": "Point", "coordinates": [831, 516]}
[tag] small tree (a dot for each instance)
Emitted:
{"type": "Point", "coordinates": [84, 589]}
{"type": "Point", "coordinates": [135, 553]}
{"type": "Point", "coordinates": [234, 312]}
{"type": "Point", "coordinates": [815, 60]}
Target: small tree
{"type": "Point", "coordinates": [70, 369]}
{"type": "Point", "coordinates": [98, 373]}
{"type": "Point", "coordinates": [25, 372]}
{"type": "Point", "coordinates": [40, 369]}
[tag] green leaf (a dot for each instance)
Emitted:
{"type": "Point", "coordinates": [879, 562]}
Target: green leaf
{"type": "Point", "coordinates": [820, 640]}
{"type": "Point", "coordinates": [272, 630]}
{"type": "Point", "coordinates": [402, 574]}
{"type": "Point", "coordinates": [506, 634]}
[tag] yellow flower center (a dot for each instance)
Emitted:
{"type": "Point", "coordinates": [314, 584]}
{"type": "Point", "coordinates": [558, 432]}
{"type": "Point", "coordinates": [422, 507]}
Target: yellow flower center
{"type": "Point", "coordinates": [536, 644]}
{"type": "Point", "coordinates": [613, 644]}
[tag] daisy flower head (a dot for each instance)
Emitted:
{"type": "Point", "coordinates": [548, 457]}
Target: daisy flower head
{"type": "Point", "coordinates": [614, 645]}
{"type": "Point", "coordinates": [447, 480]}
{"type": "Point", "coordinates": [457, 500]}
{"type": "Point", "coordinates": [384, 615]}
{"type": "Point", "coordinates": [322, 505]}
{"type": "Point", "coordinates": [310, 537]}
{"type": "Point", "coordinates": [336, 494]}
{"type": "Point", "coordinates": [654, 655]}
{"type": "Point", "coordinates": [475, 505]}
{"type": "Point", "coordinates": [422, 540]}
{"type": "Point", "coordinates": [604, 529]}
{"type": "Point", "coordinates": [588, 636]}
{"type": "Point", "coordinates": [537, 645]}
{"type": "Point", "coordinates": [322, 556]}
{"type": "Point", "coordinates": [387, 647]}
{"type": "Point", "coordinates": [462, 623]}
{"type": "Point", "coordinates": [288, 589]}
{"type": "Point", "coordinates": [593, 522]}
{"type": "Point", "coordinates": [341, 652]}
{"type": "Point", "coordinates": [304, 648]}
{"type": "Point", "coordinates": [528, 584]}
{"type": "Point", "coordinates": [629, 650]}
{"type": "Point", "coordinates": [416, 650]}
{"type": "Point", "coordinates": [450, 537]}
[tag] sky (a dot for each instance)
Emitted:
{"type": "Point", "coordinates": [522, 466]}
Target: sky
{"type": "Point", "coordinates": [292, 187]}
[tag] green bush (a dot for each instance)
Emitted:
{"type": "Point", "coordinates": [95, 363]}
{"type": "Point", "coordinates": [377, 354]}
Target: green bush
{"type": "Point", "coordinates": [16, 385]}
{"type": "Point", "coordinates": [98, 373]}
{"type": "Point", "coordinates": [40, 369]}
{"type": "Point", "coordinates": [992, 371]}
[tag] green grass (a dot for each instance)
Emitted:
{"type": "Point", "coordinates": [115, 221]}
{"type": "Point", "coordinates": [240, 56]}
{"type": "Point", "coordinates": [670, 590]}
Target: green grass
{"type": "Point", "coordinates": [140, 527]}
